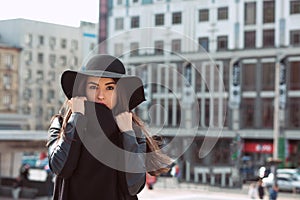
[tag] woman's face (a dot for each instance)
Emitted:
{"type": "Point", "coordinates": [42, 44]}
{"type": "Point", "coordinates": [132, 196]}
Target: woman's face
{"type": "Point", "coordinates": [101, 90]}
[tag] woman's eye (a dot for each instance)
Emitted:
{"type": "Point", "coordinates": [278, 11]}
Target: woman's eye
{"type": "Point", "coordinates": [110, 88]}
{"type": "Point", "coordinates": [93, 87]}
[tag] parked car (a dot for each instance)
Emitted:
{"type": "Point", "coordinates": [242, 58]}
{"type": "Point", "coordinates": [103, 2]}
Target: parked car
{"type": "Point", "coordinates": [294, 173]}
{"type": "Point", "coordinates": [285, 182]}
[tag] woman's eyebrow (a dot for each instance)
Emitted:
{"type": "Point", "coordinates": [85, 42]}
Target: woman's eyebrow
{"type": "Point", "coordinates": [93, 83]}
{"type": "Point", "coordinates": [110, 83]}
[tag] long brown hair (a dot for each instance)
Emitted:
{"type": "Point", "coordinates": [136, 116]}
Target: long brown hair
{"type": "Point", "coordinates": [157, 162]}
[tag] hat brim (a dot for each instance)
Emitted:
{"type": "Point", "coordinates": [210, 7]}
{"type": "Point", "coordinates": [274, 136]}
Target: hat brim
{"type": "Point", "coordinates": [134, 85]}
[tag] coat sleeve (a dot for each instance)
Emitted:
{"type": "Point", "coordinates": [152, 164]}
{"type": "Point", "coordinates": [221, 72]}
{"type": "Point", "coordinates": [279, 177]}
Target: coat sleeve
{"type": "Point", "coordinates": [64, 151]}
{"type": "Point", "coordinates": [134, 144]}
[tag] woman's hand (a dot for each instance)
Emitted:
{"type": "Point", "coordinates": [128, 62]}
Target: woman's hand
{"type": "Point", "coordinates": [77, 104]}
{"type": "Point", "coordinates": [124, 121]}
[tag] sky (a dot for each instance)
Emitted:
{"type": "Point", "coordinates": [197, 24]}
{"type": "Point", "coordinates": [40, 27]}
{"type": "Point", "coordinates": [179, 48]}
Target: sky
{"type": "Point", "coordinates": [64, 12]}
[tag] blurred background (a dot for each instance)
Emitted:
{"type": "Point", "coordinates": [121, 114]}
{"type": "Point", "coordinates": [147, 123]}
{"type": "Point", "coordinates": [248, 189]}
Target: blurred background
{"type": "Point", "coordinates": [221, 81]}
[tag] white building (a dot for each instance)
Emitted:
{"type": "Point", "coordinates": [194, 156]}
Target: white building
{"type": "Point", "coordinates": [244, 40]}
{"type": "Point", "coordinates": [47, 50]}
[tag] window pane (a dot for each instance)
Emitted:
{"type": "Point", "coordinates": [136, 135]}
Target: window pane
{"type": "Point", "coordinates": [159, 19]}
{"type": "Point", "coordinates": [222, 43]}
{"type": "Point", "coordinates": [295, 38]}
{"type": "Point", "coordinates": [118, 49]}
{"type": "Point", "coordinates": [134, 49]}
{"type": "Point", "coordinates": [294, 75]}
{"type": "Point", "coordinates": [269, 11]}
{"type": "Point", "coordinates": [294, 113]}
{"type": "Point", "coordinates": [135, 22]}
{"type": "Point", "coordinates": [250, 13]}
{"type": "Point", "coordinates": [268, 113]}
{"type": "Point", "coordinates": [203, 15]}
{"type": "Point", "coordinates": [176, 18]}
{"type": "Point", "coordinates": [119, 25]}
{"type": "Point", "coordinates": [159, 47]}
{"type": "Point", "coordinates": [268, 76]}
{"type": "Point", "coordinates": [176, 45]}
{"type": "Point", "coordinates": [203, 42]}
{"type": "Point", "coordinates": [250, 39]}
{"type": "Point", "coordinates": [247, 113]}
{"type": "Point", "coordinates": [222, 13]}
{"type": "Point", "coordinates": [295, 7]}
{"type": "Point", "coordinates": [248, 75]}
{"type": "Point", "coordinates": [268, 38]}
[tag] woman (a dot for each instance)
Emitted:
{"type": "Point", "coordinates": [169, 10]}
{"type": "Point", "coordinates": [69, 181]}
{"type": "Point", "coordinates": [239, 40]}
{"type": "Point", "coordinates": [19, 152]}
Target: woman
{"type": "Point", "coordinates": [97, 147]}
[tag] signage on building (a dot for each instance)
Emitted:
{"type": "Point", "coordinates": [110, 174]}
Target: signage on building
{"type": "Point", "coordinates": [262, 147]}
{"type": "Point", "coordinates": [253, 147]}
{"type": "Point", "coordinates": [235, 85]}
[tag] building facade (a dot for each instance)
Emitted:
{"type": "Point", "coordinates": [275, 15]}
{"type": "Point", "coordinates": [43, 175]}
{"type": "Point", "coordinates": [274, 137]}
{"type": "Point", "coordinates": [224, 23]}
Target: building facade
{"type": "Point", "coordinates": [47, 50]}
{"type": "Point", "coordinates": [227, 51]}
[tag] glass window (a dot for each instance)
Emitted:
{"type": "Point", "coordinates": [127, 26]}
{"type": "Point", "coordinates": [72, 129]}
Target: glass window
{"type": "Point", "coordinates": [41, 40]}
{"type": "Point", "coordinates": [118, 49]}
{"type": "Point", "coordinates": [203, 42]}
{"type": "Point", "coordinates": [294, 75]}
{"type": "Point", "coordinates": [63, 60]}
{"type": "Point", "coordinates": [7, 100]}
{"type": "Point", "coordinates": [40, 58]}
{"type": "Point", "coordinates": [269, 11]}
{"type": "Point", "coordinates": [268, 76]}
{"type": "Point", "coordinates": [268, 38]}
{"type": "Point", "coordinates": [28, 39]}
{"type": "Point", "coordinates": [74, 44]}
{"type": "Point", "coordinates": [52, 60]}
{"type": "Point", "coordinates": [28, 56]}
{"type": "Point", "coordinates": [134, 49]}
{"type": "Point", "coordinates": [247, 113]}
{"type": "Point", "coordinates": [159, 19]}
{"type": "Point", "coordinates": [176, 45]}
{"type": "Point", "coordinates": [223, 13]}
{"type": "Point", "coordinates": [176, 18]}
{"type": "Point", "coordinates": [52, 42]}
{"type": "Point", "coordinates": [250, 39]}
{"type": "Point", "coordinates": [119, 23]}
{"type": "Point", "coordinates": [135, 22]}
{"type": "Point", "coordinates": [203, 15]}
{"type": "Point", "coordinates": [50, 95]}
{"type": "Point", "coordinates": [63, 43]}
{"type": "Point", "coordinates": [250, 13]}
{"type": "Point", "coordinates": [295, 38]}
{"type": "Point", "coordinates": [295, 7]}
{"type": "Point", "coordinates": [40, 93]}
{"type": "Point", "coordinates": [7, 81]}
{"type": "Point", "coordinates": [9, 59]}
{"type": "Point", "coordinates": [39, 75]}
{"type": "Point", "coordinates": [159, 47]}
{"type": "Point", "coordinates": [248, 77]}
{"type": "Point", "coordinates": [294, 113]}
{"type": "Point", "coordinates": [267, 113]}
{"type": "Point", "coordinates": [222, 43]}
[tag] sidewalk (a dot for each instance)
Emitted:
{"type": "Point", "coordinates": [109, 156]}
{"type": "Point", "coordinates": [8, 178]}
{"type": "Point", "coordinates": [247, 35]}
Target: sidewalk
{"type": "Point", "coordinates": [167, 185]}
{"type": "Point", "coordinates": [164, 183]}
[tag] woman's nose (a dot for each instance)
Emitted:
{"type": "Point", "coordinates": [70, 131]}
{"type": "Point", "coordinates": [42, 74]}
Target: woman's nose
{"type": "Point", "coordinates": [100, 94]}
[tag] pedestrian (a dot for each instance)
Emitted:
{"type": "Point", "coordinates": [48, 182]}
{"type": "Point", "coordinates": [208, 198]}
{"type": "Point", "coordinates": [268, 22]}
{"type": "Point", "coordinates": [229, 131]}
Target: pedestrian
{"type": "Point", "coordinates": [273, 192]}
{"type": "Point", "coordinates": [261, 190]}
{"type": "Point", "coordinates": [98, 147]}
{"type": "Point", "coordinates": [17, 187]}
{"type": "Point", "coordinates": [252, 191]}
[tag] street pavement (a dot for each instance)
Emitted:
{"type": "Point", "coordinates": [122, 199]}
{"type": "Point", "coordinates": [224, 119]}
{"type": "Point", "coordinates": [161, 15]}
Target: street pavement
{"type": "Point", "coordinates": [169, 189]}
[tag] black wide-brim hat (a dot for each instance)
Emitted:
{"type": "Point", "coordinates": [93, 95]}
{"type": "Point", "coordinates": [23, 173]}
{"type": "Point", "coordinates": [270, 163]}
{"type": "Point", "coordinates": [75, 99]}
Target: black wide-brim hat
{"type": "Point", "coordinates": [106, 66]}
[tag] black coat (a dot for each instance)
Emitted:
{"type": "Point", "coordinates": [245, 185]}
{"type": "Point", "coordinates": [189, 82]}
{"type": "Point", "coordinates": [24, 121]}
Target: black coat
{"type": "Point", "coordinates": [75, 157]}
